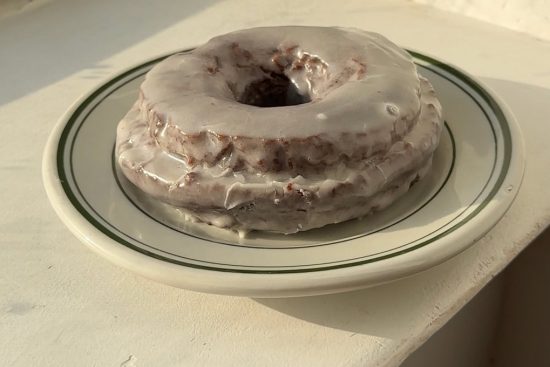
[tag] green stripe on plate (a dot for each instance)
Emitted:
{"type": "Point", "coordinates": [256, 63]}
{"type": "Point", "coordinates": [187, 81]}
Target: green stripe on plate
{"type": "Point", "coordinates": [272, 270]}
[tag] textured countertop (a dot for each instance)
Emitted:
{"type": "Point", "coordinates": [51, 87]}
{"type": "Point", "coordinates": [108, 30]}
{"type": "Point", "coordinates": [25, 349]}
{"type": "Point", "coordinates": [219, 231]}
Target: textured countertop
{"type": "Point", "coordinates": [62, 305]}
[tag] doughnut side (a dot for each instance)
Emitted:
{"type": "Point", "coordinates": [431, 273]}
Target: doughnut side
{"type": "Point", "coordinates": [294, 99]}
{"type": "Point", "coordinates": [295, 155]}
{"type": "Point", "coordinates": [292, 214]}
{"type": "Point", "coordinates": [279, 201]}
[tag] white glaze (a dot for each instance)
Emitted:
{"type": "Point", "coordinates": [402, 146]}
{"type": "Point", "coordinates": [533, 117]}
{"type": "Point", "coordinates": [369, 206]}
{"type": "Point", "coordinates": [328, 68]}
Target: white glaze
{"type": "Point", "coordinates": [218, 195]}
{"type": "Point", "coordinates": [181, 91]}
{"type": "Point", "coordinates": [369, 131]}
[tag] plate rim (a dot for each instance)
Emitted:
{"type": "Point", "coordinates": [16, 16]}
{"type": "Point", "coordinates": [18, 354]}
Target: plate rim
{"type": "Point", "coordinates": [327, 280]}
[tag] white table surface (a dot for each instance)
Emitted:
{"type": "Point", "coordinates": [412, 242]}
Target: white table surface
{"type": "Point", "coordinates": [62, 305]}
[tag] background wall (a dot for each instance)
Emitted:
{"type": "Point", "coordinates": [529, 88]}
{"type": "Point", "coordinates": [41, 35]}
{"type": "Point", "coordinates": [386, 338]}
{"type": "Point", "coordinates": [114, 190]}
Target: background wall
{"type": "Point", "coordinates": [529, 16]}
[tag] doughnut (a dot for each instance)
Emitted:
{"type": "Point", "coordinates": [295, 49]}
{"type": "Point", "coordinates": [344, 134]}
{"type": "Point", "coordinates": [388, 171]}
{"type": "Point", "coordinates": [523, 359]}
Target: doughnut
{"type": "Point", "coordinates": [281, 129]}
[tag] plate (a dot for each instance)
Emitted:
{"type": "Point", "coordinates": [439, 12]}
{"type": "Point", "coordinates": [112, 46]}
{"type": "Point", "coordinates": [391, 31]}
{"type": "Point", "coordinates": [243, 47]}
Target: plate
{"type": "Point", "coordinates": [477, 171]}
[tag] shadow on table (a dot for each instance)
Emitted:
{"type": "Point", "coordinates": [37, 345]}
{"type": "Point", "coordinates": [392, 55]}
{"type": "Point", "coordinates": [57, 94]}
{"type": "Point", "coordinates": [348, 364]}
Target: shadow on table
{"type": "Point", "coordinates": [375, 311]}
{"type": "Point", "coordinates": [60, 38]}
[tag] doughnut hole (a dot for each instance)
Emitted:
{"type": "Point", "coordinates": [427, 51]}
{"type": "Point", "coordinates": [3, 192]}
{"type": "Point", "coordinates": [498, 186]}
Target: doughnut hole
{"type": "Point", "coordinates": [276, 77]}
{"type": "Point", "coordinates": [277, 90]}
{"type": "Point", "coordinates": [281, 76]}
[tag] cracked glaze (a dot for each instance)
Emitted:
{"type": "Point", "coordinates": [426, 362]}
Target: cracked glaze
{"type": "Point", "coordinates": [367, 134]}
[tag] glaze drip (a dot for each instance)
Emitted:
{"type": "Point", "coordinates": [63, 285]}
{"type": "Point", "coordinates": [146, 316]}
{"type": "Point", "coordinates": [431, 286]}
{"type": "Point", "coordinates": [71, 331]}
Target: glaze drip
{"type": "Point", "coordinates": [281, 129]}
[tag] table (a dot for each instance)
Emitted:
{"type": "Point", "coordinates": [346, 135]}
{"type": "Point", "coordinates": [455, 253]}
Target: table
{"type": "Point", "coordinates": [61, 304]}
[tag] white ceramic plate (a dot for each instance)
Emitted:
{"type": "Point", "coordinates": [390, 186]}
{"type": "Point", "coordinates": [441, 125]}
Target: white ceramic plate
{"type": "Point", "coordinates": [476, 174]}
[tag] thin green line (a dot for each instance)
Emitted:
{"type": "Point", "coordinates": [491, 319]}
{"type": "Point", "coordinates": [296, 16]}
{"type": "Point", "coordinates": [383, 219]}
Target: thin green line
{"type": "Point", "coordinates": [507, 135]}
{"type": "Point", "coordinates": [310, 264]}
{"type": "Point", "coordinates": [98, 225]}
{"type": "Point", "coordinates": [347, 260]}
{"type": "Point", "coordinates": [215, 263]}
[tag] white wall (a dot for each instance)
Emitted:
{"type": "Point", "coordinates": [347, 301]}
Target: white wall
{"type": "Point", "coordinates": [529, 16]}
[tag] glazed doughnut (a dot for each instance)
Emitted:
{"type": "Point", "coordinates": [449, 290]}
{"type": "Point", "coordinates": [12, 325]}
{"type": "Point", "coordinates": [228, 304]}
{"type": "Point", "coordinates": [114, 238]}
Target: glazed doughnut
{"type": "Point", "coordinates": [281, 129]}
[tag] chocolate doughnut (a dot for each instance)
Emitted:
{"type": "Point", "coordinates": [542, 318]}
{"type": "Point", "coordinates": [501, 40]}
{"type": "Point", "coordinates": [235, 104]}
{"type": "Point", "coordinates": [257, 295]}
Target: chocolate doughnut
{"type": "Point", "coordinates": [281, 129]}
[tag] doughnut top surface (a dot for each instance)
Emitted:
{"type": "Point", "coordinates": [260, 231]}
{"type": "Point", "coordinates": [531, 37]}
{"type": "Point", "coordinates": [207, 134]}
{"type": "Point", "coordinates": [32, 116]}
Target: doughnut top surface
{"type": "Point", "coordinates": [285, 82]}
